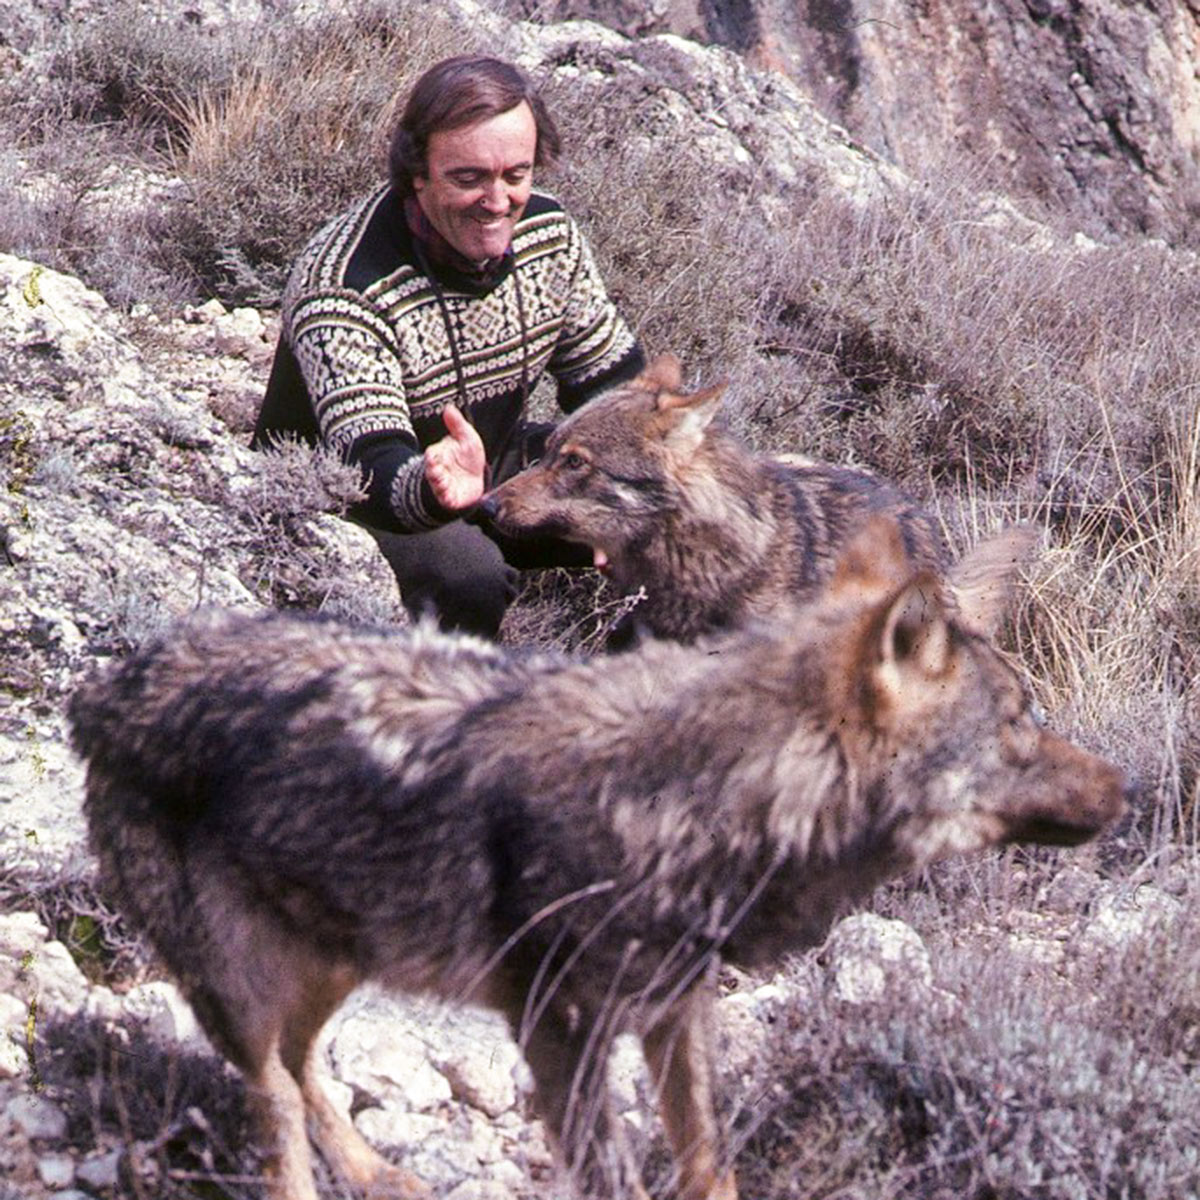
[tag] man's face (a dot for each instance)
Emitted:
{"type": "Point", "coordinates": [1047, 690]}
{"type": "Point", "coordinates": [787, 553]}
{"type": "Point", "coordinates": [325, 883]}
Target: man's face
{"type": "Point", "coordinates": [478, 182]}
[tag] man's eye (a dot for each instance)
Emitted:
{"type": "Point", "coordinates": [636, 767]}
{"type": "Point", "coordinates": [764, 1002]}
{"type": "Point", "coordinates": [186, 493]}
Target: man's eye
{"type": "Point", "coordinates": [518, 176]}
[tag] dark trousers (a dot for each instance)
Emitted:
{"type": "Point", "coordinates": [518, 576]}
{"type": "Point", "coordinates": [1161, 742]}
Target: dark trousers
{"type": "Point", "coordinates": [465, 573]}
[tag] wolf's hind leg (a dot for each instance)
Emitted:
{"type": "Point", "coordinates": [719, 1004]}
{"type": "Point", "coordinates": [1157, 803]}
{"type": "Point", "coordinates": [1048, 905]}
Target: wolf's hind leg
{"type": "Point", "coordinates": [341, 1145]}
{"type": "Point", "coordinates": [277, 1109]}
{"type": "Point", "coordinates": [678, 1053]}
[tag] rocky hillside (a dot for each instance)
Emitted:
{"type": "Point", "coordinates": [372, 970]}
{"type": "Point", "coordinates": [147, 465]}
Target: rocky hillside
{"type": "Point", "coordinates": [1087, 109]}
{"type": "Point", "coordinates": [129, 496]}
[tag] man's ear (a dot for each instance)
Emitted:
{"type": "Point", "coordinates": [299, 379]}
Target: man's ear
{"type": "Point", "coordinates": [684, 419]}
{"type": "Point", "coordinates": [983, 580]}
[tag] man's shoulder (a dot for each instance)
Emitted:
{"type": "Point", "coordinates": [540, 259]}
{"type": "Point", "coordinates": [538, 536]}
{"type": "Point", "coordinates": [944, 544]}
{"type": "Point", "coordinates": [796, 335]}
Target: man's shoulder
{"type": "Point", "coordinates": [542, 204]}
{"type": "Point", "coordinates": [545, 227]}
{"type": "Point", "coordinates": [353, 249]}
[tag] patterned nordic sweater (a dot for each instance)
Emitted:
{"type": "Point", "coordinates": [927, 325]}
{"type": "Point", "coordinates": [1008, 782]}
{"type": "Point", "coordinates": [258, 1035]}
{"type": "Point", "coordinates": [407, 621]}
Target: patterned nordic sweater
{"type": "Point", "coordinates": [365, 364]}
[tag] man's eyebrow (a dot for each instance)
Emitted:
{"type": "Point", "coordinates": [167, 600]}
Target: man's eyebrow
{"type": "Point", "coordinates": [524, 165]}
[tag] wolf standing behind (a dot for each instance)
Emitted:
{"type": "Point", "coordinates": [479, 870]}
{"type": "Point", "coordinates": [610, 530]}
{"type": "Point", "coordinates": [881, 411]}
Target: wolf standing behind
{"type": "Point", "coordinates": [715, 534]}
{"type": "Point", "coordinates": [290, 808]}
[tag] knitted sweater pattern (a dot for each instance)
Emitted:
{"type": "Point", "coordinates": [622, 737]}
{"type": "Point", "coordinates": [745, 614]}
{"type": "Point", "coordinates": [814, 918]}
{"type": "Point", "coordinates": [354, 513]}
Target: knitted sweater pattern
{"type": "Point", "coordinates": [379, 363]}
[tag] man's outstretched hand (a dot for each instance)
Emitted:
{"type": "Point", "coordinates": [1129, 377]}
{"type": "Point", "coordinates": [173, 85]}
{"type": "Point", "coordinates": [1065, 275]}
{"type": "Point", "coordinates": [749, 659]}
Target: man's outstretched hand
{"type": "Point", "coordinates": [455, 465]}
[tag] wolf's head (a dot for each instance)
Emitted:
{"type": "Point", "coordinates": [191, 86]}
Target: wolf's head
{"type": "Point", "coordinates": [612, 472]}
{"type": "Point", "coordinates": [940, 731]}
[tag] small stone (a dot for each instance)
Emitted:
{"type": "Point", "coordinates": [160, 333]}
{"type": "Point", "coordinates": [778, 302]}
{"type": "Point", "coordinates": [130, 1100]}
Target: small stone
{"type": "Point", "coordinates": [162, 1010]}
{"type": "Point", "coordinates": [869, 955]}
{"type": "Point", "coordinates": [62, 986]}
{"type": "Point", "coordinates": [14, 1062]}
{"type": "Point", "coordinates": [101, 1171]}
{"type": "Point", "coordinates": [387, 1129]}
{"type": "Point", "coordinates": [628, 1076]}
{"type": "Point", "coordinates": [509, 1175]}
{"type": "Point", "coordinates": [481, 1189]}
{"type": "Point", "coordinates": [56, 1170]}
{"type": "Point", "coordinates": [21, 933]}
{"type": "Point", "coordinates": [482, 1076]}
{"type": "Point", "coordinates": [36, 1117]}
{"type": "Point", "coordinates": [369, 1053]}
{"type": "Point", "coordinates": [1124, 920]}
{"type": "Point", "coordinates": [14, 1012]}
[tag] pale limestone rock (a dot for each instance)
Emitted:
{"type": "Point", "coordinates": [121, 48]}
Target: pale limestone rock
{"type": "Point", "coordinates": [56, 1170]}
{"type": "Point", "coordinates": [868, 956]}
{"type": "Point", "coordinates": [37, 1118]}
{"type": "Point", "coordinates": [100, 1171]}
{"type": "Point", "coordinates": [163, 1012]}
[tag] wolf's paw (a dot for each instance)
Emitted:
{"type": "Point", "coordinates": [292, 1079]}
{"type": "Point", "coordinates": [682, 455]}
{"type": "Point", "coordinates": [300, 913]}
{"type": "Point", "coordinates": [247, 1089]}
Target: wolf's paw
{"type": "Point", "coordinates": [395, 1183]}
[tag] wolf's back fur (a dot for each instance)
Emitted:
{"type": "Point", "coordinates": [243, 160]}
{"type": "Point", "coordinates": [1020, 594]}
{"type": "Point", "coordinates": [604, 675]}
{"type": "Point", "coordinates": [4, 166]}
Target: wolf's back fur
{"type": "Point", "coordinates": [715, 534]}
{"type": "Point", "coordinates": [289, 808]}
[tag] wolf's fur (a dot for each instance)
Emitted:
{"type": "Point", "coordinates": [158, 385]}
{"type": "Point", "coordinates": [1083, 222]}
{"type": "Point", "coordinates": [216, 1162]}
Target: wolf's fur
{"type": "Point", "coordinates": [715, 534]}
{"type": "Point", "coordinates": [289, 808]}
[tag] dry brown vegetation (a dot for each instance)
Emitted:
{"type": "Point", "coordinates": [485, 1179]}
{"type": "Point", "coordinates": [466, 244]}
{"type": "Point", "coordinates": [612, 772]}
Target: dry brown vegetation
{"type": "Point", "coordinates": [993, 367]}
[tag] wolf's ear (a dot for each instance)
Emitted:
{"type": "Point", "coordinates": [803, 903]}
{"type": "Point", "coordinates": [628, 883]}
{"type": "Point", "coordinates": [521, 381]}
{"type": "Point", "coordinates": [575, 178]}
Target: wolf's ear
{"type": "Point", "coordinates": [663, 374]}
{"type": "Point", "coordinates": [683, 419]}
{"type": "Point", "coordinates": [873, 564]}
{"type": "Point", "coordinates": [982, 581]}
{"type": "Point", "coordinates": [915, 639]}
{"type": "Point", "coordinates": [906, 638]}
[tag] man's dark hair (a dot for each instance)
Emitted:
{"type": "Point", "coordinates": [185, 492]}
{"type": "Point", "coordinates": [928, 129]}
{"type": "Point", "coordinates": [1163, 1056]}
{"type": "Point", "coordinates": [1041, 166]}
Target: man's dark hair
{"type": "Point", "coordinates": [455, 93]}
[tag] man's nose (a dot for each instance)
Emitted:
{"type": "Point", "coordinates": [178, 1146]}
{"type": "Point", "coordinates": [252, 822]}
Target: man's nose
{"type": "Point", "coordinates": [495, 196]}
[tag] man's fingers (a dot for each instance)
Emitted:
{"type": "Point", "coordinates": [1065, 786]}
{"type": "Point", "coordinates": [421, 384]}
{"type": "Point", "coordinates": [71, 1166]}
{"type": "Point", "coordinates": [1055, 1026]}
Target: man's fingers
{"type": "Point", "coordinates": [455, 466]}
{"type": "Point", "coordinates": [459, 428]}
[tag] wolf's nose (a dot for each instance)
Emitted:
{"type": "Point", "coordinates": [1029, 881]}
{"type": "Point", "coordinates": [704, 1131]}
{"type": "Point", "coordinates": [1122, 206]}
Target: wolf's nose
{"type": "Point", "coordinates": [489, 506]}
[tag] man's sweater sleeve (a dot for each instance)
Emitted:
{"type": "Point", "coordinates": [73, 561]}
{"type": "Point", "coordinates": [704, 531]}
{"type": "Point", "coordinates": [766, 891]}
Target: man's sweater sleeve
{"type": "Point", "coordinates": [348, 356]}
{"type": "Point", "coordinates": [596, 348]}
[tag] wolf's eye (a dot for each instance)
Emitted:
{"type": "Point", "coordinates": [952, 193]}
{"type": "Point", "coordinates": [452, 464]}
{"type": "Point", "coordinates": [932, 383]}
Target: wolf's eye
{"type": "Point", "coordinates": [574, 461]}
{"type": "Point", "coordinates": [1022, 736]}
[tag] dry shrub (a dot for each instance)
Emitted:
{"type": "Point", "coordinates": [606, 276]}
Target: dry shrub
{"type": "Point", "coordinates": [569, 610]}
{"type": "Point", "coordinates": [287, 563]}
{"type": "Point", "coordinates": [958, 342]}
{"type": "Point", "coordinates": [675, 231]}
{"type": "Point", "coordinates": [1016, 1079]}
{"type": "Point", "coordinates": [271, 127]}
{"type": "Point", "coordinates": [178, 1119]}
{"type": "Point", "coordinates": [296, 134]}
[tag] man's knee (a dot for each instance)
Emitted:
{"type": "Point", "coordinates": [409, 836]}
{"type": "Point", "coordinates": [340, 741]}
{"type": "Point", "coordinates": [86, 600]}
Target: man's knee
{"type": "Point", "coordinates": [472, 602]}
{"type": "Point", "coordinates": [455, 574]}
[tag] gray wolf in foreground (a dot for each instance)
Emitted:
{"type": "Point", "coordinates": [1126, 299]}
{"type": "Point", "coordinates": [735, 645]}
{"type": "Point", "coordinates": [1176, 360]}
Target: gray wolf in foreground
{"type": "Point", "coordinates": [715, 534]}
{"type": "Point", "coordinates": [288, 808]}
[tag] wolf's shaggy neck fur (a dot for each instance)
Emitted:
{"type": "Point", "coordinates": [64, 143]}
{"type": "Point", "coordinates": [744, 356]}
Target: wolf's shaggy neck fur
{"type": "Point", "coordinates": [718, 546]}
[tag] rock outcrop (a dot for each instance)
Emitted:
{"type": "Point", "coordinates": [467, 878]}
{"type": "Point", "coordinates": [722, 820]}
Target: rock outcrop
{"type": "Point", "coordinates": [1090, 109]}
{"type": "Point", "coordinates": [127, 500]}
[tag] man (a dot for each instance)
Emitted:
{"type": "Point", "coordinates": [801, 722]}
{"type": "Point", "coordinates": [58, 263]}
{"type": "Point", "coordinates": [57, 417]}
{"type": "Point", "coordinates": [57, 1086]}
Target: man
{"type": "Point", "coordinates": [416, 324]}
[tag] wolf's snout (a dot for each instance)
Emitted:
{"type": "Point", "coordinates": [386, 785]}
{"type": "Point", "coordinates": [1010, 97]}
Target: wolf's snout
{"type": "Point", "coordinates": [489, 506]}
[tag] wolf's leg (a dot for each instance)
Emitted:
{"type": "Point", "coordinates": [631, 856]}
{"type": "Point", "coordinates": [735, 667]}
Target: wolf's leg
{"type": "Point", "coordinates": [277, 1110]}
{"type": "Point", "coordinates": [222, 950]}
{"type": "Point", "coordinates": [340, 1144]}
{"type": "Point", "coordinates": [568, 1058]}
{"type": "Point", "coordinates": [680, 1061]}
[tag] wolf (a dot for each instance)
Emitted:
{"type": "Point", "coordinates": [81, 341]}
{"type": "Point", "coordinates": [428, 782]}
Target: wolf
{"type": "Point", "coordinates": [290, 807]}
{"type": "Point", "coordinates": [713, 534]}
